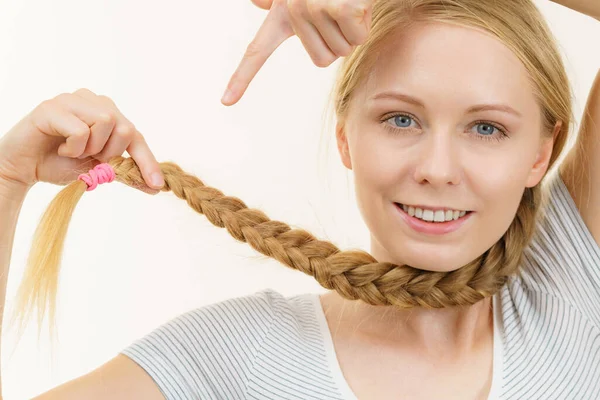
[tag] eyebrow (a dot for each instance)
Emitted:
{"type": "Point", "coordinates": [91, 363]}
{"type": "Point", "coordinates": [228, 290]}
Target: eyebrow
{"type": "Point", "coordinates": [472, 109]}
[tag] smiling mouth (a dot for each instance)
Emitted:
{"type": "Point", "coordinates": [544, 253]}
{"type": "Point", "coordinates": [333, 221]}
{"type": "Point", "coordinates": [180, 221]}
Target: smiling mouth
{"type": "Point", "coordinates": [457, 215]}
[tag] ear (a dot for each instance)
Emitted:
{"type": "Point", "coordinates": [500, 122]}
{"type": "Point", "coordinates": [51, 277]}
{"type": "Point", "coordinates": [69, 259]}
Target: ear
{"type": "Point", "coordinates": [342, 144]}
{"type": "Point", "coordinates": [541, 163]}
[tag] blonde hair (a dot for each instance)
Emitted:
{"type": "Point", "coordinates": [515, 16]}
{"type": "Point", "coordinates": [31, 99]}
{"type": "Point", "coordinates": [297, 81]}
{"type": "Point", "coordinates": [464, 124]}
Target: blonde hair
{"type": "Point", "coordinates": [354, 274]}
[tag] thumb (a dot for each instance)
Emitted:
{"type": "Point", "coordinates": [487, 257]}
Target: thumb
{"type": "Point", "coordinates": [264, 4]}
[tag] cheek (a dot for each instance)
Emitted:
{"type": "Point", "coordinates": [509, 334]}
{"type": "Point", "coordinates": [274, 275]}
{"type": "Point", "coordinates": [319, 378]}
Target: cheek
{"type": "Point", "coordinates": [377, 170]}
{"type": "Point", "coordinates": [496, 180]}
{"type": "Point", "coordinates": [500, 178]}
{"type": "Point", "coordinates": [500, 191]}
{"type": "Point", "coordinates": [501, 195]}
{"type": "Point", "coordinates": [376, 164]}
{"type": "Point", "coordinates": [496, 185]}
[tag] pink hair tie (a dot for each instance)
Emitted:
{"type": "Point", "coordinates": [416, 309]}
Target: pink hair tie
{"type": "Point", "coordinates": [102, 173]}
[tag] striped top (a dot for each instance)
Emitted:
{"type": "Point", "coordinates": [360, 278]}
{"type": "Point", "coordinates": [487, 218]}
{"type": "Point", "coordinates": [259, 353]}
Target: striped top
{"type": "Point", "coordinates": [269, 346]}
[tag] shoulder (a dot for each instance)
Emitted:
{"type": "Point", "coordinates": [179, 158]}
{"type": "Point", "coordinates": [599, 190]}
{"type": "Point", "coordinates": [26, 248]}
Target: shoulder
{"type": "Point", "coordinates": [213, 347]}
{"type": "Point", "coordinates": [230, 320]}
{"type": "Point", "coordinates": [256, 312]}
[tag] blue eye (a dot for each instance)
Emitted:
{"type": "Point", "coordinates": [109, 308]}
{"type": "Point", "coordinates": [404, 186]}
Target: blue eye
{"type": "Point", "coordinates": [489, 130]}
{"type": "Point", "coordinates": [398, 122]}
{"type": "Point", "coordinates": [401, 120]}
{"type": "Point", "coordinates": [493, 131]}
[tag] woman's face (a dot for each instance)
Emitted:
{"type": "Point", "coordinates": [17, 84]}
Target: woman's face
{"type": "Point", "coordinates": [439, 153]}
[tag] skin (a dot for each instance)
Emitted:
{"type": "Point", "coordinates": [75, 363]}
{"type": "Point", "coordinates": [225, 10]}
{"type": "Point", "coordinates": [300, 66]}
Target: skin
{"type": "Point", "coordinates": [61, 136]}
{"type": "Point", "coordinates": [121, 378]}
{"type": "Point", "coordinates": [328, 29]}
{"type": "Point", "coordinates": [440, 157]}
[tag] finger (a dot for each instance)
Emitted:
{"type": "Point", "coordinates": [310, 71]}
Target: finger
{"type": "Point", "coordinates": [264, 4]}
{"type": "Point", "coordinates": [100, 133]}
{"type": "Point", "coordinates": [102, 130]}
{"type": "Point", "coordinates": [85, 93]}
{"type": "Point", "coordinates": [116, 146]}
{"type": "Point", "coordinates": [143, 157]}
{"type": "Point", "coordinates": [272, 33]}
{"type": "Point", "coordinates": [315, 45]}
{"type": "Point", "coordinates": [120, 138]}
{"type": "Point", "coordinates": [331, 33]}
{"type": "Point", "coordinates": [55, 121]}
{"type": "Point", "coordinates": [125, 137]}
{"type": "Point", "coordinates": [100, 119]}
{"type": "Point", "coordinates": [354, 22]}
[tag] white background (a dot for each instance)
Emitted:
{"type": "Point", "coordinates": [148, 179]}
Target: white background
{"type": "Point", "coordinates": [133, 261]}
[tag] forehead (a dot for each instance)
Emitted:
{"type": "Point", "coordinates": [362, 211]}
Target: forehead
{"type": "Point", "coordinates": [450, 66]}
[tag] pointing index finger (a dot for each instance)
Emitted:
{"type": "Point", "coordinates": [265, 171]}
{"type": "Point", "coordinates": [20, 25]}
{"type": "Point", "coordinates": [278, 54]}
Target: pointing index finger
{"type": "Point", "coordinates": [273, 32]}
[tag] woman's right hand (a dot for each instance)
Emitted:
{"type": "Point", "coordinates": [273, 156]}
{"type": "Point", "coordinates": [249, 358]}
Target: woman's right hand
{"type": "Point", "coordinates": [328, 29]}
{"type": "Point", "coordinates": [71, 132]}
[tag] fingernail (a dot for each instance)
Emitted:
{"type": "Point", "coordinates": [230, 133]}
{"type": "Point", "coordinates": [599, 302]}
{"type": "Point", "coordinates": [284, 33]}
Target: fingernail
{"type": "Point", "coordinates": [227, 96]}
{"type": "Point", "coordinates": [157, 179]}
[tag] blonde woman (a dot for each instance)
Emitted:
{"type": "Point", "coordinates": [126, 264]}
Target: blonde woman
{"type": "Point", "coordinates": [483, 276]}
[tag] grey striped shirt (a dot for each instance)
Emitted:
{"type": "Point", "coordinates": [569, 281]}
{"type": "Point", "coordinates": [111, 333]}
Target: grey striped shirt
{"type": "Point", "coordinates": [268, 346]}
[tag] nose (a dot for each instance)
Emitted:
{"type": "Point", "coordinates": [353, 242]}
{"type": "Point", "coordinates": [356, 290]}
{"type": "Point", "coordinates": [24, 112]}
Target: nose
{"type": "Point", "coordinates": [437, 160]}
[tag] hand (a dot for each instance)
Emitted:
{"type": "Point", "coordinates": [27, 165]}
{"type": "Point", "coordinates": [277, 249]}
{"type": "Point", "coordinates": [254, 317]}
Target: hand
{"type": "Point", "coordinates": [328, 29]}
{"type": "Point", "coordinates": [70, 134]}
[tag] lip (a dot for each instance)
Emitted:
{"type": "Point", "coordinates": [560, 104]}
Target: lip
{"type": "Point", "coordinates": [432, 228]}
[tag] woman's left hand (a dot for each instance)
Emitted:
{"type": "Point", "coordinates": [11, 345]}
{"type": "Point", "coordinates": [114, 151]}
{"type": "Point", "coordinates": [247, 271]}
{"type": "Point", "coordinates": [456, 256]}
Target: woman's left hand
{"type": "Point", "coordinates": [328, 29]}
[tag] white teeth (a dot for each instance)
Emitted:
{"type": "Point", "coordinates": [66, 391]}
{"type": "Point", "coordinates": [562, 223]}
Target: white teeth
{"type": "Point", "coordinates": [439, 216]}
{"type": "Point", "coordinates": [427, 215]}
{"type": "Point", "coordinates": [430, 215]}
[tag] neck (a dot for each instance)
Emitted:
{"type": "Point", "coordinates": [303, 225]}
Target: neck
{"type": "Point", "coordinates": [451, 331]}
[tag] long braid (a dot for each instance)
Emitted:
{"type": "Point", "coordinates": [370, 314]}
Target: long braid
{"type": "Point", "coordinates": [354, 274]}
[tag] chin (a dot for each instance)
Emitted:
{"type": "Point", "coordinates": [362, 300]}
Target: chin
{"type": "Point", "coordinates": [435, 260]}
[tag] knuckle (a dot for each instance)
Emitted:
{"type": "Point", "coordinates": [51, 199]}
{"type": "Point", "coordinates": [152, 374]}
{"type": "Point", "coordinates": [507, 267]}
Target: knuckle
{"type": "Point", "coordinates": [46, 105]}
{"type": "Point", "coordinates": [61, 98]}
{"type": "Point", "coordinates": [81, 132]}
{"type": "Point", "coordinates": [253, 49]}
{"type": "Point", "coordinates": [126, 130]}
{"type": "Point", "coordinates": [84, 91]}
{"type": "Point", "coordinates": [107, 118]}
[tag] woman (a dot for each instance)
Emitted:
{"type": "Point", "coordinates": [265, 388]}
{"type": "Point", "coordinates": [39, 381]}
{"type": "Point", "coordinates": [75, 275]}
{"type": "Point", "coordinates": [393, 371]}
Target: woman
{"type": "Point", "coordinates": [465, 329]}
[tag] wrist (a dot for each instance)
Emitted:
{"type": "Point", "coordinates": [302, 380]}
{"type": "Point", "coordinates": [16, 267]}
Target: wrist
{"type": "Point", "coordinates": [12, 191]}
